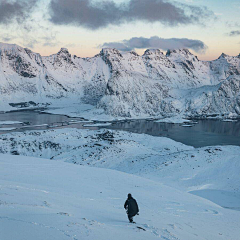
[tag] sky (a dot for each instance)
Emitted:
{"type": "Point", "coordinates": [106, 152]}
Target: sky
{"type": "Point", "coordinates": [206, 27]}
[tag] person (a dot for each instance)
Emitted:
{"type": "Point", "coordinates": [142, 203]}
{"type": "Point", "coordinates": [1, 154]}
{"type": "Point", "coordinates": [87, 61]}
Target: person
{"type": "Point", "coordinates": [132, 207]}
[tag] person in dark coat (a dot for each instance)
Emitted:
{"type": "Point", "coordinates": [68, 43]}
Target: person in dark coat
{"type": "Point", "coordinates": [132, 207]}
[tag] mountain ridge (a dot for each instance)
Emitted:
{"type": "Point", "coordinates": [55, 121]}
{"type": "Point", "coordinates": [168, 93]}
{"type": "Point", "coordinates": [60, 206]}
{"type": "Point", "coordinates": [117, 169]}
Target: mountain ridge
{"type": "Point", "coordinates": [123, 83]}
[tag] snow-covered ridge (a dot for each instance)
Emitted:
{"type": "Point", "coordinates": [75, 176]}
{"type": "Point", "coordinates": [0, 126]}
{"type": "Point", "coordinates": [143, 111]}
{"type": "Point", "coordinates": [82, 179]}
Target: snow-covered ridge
{"type": "Point", "coordinates": [158, 158]}
{"type": "Point", "coordinates": [203, 171]}
{"type": "Point", "coordinates": [123, 84]}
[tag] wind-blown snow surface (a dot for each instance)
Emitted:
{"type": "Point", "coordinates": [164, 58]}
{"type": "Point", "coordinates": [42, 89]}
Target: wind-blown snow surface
{"type": "Point", "coordinates": [120, 84]}
{"type": "Point", "coordinates": [42, 199]}
{"type": "Point", "coordinates": [9, 122]}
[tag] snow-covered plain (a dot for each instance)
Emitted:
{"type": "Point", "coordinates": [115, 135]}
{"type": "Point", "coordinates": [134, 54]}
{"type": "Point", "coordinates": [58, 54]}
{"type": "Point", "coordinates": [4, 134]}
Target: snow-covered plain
{"type": "Point", "coordinates": [183, 192]}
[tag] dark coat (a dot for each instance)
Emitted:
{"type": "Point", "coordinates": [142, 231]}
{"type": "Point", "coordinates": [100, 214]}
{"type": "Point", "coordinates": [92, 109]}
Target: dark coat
{"type": "Point", "coordinates": [131, 206]}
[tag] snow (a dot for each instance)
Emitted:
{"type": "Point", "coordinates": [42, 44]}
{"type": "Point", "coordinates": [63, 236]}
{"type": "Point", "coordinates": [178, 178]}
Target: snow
{"type": "Point", "coordinates": [156, 158]}
{"type": "Point", "coordinates": [229, 120]}
{"type": "Point", "coordinates": [57, 200]}
{"type": "Point", "coordinates": [39, 125]}
{"type": "Point", "coordinates": [7, 129]}
{"type": "Point", "coordinates": [225, 199]}
{"type": "Point", "coordinates": [102, 148]}
{"type": "Point", "coordinates": [98, 125]}
{"type": "Point", "coordinates": [9, 122]}
{"type": "Point", "coordinates": [175, 119]}
{"type": "Point", "coordinates": [82, 110]}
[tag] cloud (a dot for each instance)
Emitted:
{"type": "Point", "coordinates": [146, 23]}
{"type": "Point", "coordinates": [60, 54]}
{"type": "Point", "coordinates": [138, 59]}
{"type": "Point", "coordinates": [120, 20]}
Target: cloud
{"type": "Point", "coordinates": [218, 14]}
{"type": "Point", "coordinates": [49, 38]}
{"type": "Point", "coordinates": [94, 15]}
{"type": "Point", "coordinates": [25, 23]}
{"type": "Point", "coordinates": [122, 46]}
{"type": "Point", "coordinates": [231, 24]}
{"type": "Point", "coordinates": [18, 10]}
{"type": "Point", "coordinates": [234, 33]}
{"type": "Point", "coordinates": [7, 37]}
{"type": "Point", "coordinates": [156, 42]}
{"type": "Point", "coordinates": [30, 43]}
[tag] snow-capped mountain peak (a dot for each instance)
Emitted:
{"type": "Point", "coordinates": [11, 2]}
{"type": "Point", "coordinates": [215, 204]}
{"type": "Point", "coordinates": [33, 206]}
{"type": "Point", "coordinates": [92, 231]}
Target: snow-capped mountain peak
{"type": "Point", "coordinates": [153, 52]}
{"type": "Point", "coordinates": [223, 55]}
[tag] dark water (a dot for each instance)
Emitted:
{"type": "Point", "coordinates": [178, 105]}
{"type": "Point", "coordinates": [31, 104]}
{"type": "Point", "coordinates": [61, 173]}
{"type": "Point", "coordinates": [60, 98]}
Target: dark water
{"type": "Point", "coordinates": [35, 120]}
{"type": "Point", "coordinates": [204, 133]}
{"type": "Point", "coordinates": [32, 117]}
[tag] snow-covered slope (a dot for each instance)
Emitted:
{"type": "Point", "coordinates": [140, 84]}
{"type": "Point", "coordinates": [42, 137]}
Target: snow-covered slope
{"type": "Point", "coordinates": [123, 84]}
{"type": "Point", "coordinates": [208, 169]}
{"type": "Point", "coordinates": [42, 199]}
{"type": "Point", "coordinates": [172, 84]}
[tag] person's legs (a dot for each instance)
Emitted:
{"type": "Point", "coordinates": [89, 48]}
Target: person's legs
{"type": "Point", "coordinates": [130, 218]}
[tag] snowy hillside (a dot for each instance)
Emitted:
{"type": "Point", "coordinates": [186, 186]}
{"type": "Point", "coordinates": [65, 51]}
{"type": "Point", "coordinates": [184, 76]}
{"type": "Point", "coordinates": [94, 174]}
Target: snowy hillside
{"type": "Point", "coordinates": [121, 84]}
{"type": "Point", "coordinates": [42, 199]}
{"type": "Point", "coordinates": [206, 171]}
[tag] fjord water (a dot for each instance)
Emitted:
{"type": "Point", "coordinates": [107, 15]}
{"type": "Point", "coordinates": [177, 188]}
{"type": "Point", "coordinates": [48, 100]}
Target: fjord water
{"type": "Point", "coordinates": [32, 117]}
{"type": "Point", "coordinates": [200, 134]}
{"type": "Point", "coordinates": [203, 133]}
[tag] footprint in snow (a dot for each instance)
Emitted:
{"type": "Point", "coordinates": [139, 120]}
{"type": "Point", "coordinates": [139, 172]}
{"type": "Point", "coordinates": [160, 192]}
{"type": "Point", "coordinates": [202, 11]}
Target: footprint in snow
{"type": "Point", "coordinates": [65, 214]}
{"type": "Point", "coordinates": [46, 204]}
{"type": "Point", "coordinates": [211, 211]}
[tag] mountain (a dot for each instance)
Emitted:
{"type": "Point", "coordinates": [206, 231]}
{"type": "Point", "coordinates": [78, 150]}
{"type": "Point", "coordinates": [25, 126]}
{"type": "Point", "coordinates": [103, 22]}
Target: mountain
{"type": "Point", "coordinates": [123, 84]}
